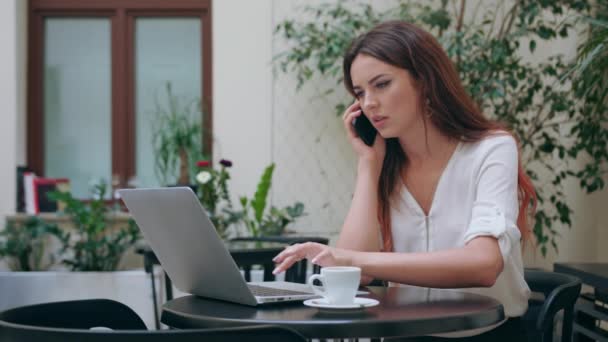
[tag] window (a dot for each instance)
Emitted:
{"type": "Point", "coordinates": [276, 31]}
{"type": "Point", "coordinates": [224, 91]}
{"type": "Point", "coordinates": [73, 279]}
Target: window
{"type": "Point", "coordinates": [96, 70]}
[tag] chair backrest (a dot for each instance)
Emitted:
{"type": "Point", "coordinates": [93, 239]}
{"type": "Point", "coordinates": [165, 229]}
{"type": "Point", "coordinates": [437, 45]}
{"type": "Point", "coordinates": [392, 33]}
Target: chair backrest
{"type": "Point", "coordinates": [72, 321]}
{"type": "Point", "coordinates": [297, 272]}
{"type": "Point", "coordinates": [76, 314]}
{"type": "Point", "coordinates": [560, 293]}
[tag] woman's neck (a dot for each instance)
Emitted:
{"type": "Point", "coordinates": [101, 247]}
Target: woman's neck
{"type": "Point", "coordinates": [423, 145]}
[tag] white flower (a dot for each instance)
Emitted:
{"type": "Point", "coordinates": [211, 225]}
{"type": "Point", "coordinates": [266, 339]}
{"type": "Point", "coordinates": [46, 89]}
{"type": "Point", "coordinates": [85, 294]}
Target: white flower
{"type": "Point", "coordinates": [203, 177]}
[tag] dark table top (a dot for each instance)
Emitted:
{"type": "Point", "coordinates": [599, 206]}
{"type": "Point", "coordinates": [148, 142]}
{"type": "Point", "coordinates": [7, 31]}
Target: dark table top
{"type": "Point", "coordinates": [594, 274]}
{"type": "Point", "coordinates": [403, 311]}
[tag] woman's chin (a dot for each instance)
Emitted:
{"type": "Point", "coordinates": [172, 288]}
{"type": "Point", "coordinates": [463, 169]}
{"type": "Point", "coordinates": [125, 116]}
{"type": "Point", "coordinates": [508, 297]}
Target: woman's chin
{"type": "Point", "coordinates": [386, 134]}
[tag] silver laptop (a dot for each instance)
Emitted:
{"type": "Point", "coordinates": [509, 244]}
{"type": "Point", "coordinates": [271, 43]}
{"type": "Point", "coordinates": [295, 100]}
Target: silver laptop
{"type": "Point", "coordinates": [186, 243]}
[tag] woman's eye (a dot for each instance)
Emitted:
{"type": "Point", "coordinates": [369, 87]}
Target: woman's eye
{"type": "Point", "coordinates": [359, 94]}
{"type": "Point", "coordinates": [382, 84]}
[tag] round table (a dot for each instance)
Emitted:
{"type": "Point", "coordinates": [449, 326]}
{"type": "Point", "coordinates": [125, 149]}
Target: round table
{"type": "Point", "coordinates": [403, 311]}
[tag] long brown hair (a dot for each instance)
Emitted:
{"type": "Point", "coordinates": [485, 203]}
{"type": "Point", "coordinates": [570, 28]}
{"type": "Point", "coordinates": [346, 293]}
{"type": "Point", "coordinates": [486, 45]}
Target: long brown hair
{"type": "Point", "coordinates": [455, 114]}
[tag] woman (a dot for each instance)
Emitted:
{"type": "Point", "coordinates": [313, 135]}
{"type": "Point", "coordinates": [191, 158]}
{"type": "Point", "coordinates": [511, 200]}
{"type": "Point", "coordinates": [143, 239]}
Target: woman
{"type": "Point", "coordinates": [441, 188]}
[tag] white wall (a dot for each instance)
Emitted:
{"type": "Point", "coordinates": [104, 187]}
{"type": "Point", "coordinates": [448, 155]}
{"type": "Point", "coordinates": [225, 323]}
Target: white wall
{"type": "Point", "coordinates": [242, 92]}
{"type": "Point", "coordinates": [11, 103]}
{"type": "Point", "coordinates": [21, 80]}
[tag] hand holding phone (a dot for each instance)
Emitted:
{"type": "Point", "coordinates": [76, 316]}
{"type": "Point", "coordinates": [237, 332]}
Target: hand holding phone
{"type": "Point", "coordinates": [365, 129]}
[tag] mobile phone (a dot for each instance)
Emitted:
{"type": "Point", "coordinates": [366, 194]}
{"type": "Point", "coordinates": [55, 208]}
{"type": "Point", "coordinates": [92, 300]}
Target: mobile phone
{"type": "Point", "coordinates": [365, 129]}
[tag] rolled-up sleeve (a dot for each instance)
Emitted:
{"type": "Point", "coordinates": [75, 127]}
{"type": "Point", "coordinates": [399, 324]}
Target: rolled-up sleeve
{"type": "Point", "coordinates": [495, 209]}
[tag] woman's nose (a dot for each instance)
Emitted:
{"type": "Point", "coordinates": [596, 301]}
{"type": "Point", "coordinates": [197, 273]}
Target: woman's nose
{"type": "Point", "coordinates": [368, 102]}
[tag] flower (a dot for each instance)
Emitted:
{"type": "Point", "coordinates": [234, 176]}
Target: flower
{"type": "Point", "coordinates": [226, 163]}
{"type": "Point", "coordinates": [203, 163]}
{"type": "Point", "coordinates": [214, 195]}
{"type": "Point", "coordinates": [203, 177]}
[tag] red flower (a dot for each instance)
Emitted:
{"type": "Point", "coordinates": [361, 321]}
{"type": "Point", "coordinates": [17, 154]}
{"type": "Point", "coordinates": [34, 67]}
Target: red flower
{"type": "Point", "coordinates": [203, 163]}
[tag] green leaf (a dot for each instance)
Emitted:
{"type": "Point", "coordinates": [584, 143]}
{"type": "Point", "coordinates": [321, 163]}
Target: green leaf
{"type": "Point", "coordinates": [545, 32]}
{"type": "Point", "coordinates": [258, 203]}
{"type": "Point", "coordinates": [532, 45]}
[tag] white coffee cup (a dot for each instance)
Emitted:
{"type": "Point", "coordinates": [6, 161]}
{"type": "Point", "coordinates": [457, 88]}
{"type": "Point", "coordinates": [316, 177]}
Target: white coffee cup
{"type": "Point", "coordinates": [339, 284]}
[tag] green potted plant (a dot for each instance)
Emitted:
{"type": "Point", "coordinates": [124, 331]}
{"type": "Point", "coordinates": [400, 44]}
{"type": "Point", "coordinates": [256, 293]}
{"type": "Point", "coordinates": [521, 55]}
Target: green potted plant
{"type": "Point", "coordinates": [213, 193]}
{"type": "Point", "coordinates": [590, 83]}
{"type": "Point", "coordinates": [555, 125]}
{"type": "Point", "coordinates": [176, 139]}
{"type": "Point", "coordinates": [93, 246]}
{"type": "Point", "coordinates": [261, 222]}
{"type": "Point", "coordinates": [25, 247]}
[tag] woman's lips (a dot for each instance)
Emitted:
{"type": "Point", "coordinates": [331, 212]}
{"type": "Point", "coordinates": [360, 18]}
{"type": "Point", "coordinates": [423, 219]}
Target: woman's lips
{"type": "Point", "coordinates": [379, 121]}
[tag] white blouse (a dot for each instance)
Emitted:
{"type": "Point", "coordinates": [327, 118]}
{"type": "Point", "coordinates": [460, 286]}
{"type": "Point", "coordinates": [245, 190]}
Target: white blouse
{"type": "Point", "coordinates": [476, 196]}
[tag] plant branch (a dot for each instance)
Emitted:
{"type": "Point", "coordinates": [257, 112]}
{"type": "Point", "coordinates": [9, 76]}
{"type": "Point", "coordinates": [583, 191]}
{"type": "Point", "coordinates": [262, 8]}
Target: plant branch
{"type": "Point", "coordinates": [549, 124]}
{"type": "Point", "coordinates": [454, 6]}
{"type": "Point", "coordinates": [536, 126]}
{"type": "Point", "coordinates": [443, 6]}
{"type": "Point", "coordinates": [463, 4]}
{"type": "Point", "coordinates": [509, 18]}
{"type": "Point", "coordinates": [475, 13]}
{"type": "Point", "coordinates": [539, 120]}
{"type": "Point", "coordinates": [458, 30]}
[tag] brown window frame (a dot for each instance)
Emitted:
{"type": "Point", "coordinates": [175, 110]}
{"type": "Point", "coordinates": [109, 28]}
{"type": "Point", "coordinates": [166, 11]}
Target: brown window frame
{"type": "Point", "coordinates": [122, 14]}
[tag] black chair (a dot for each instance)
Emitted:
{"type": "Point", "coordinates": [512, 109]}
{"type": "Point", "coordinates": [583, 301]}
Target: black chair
{"type": "Point", "coordinates": [72, 321]}
{"type": "Point", "coordinates": [297, 272]}
{"type": "Point", "coordinates": [552, 292]}
{"type": "Point", "coordinates": [150, 260]}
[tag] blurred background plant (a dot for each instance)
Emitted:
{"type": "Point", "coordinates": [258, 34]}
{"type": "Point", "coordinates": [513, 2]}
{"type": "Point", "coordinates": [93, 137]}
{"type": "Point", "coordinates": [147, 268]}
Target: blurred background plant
{"type": "Point", "coordinates": [24, 246]}
{"type": "Point", "coordinates": [590, 83]}
{"type": "Point", "coordinates": [176, 139]}
{"type": "Point", "coordinates": [254, 216]}
{"type": "Point", "coordinates": [94, 245]}
{"type": "Point", "coordinates": [559, 118]}
{"type": "Point", "coordinates": [213, 193]}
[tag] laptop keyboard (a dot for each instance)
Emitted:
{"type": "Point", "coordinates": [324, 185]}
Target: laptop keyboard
{"type": "Point", "coordinates": [262, 291]}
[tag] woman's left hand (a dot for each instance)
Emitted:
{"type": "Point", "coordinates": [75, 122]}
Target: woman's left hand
{"type": "Point", "coordinates": [317, 253]}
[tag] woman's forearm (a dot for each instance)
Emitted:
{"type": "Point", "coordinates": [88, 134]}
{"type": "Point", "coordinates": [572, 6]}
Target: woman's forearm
{"type": "Point", "coordinates": [475, 265]}
{"type": "Point", "coordinates": [360, 231]}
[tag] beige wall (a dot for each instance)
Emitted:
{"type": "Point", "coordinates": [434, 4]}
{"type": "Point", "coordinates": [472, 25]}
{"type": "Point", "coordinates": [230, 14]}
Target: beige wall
{"type": "Point", "coordinates": [585, 240]}
{"type": "Point", "coordinates": [599, 206]}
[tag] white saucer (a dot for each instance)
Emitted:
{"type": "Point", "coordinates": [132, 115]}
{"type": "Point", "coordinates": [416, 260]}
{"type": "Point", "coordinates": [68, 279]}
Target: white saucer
{"type": "Point", "coordinates": [359, 303]}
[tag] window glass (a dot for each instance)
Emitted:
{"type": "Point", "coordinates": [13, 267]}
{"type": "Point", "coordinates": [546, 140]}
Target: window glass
{"type": "Point", "coordinates": [77, 101]}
